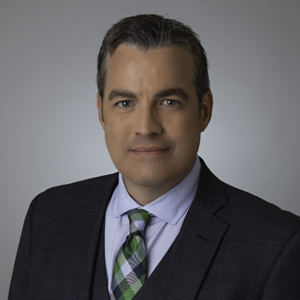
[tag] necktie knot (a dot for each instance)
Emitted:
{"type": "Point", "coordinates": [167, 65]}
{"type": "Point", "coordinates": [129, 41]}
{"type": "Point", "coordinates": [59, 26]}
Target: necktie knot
{"type": "Point", "coordinates": [138, 219]}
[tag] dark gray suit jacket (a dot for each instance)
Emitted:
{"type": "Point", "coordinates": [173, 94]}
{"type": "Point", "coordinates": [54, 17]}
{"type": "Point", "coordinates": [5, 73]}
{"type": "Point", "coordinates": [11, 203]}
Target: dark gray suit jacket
{"type": "Point", "coordinates": [232, 245]}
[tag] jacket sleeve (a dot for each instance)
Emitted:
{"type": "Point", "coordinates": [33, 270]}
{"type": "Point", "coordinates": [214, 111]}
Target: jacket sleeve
{"type": "Point", "coordinates": [19, 285]}
{"type": "Point", "coordinates": [284, 280]}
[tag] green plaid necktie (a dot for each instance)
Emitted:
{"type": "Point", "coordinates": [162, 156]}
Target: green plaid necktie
{"type": "Point", "coordinates": [130, 266]}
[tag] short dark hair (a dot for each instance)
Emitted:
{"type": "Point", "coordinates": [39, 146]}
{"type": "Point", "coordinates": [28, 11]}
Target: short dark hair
{"type": "Point", "coordinates": [151, 31]}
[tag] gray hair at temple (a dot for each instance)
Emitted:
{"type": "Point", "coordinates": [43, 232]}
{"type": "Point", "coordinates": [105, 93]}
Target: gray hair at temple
{"type": "Point", "coordinates": [152, 31]}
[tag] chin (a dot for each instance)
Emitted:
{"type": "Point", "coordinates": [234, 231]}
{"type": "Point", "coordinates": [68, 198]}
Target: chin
{"type": "Point", "coordinates": [153, 180]}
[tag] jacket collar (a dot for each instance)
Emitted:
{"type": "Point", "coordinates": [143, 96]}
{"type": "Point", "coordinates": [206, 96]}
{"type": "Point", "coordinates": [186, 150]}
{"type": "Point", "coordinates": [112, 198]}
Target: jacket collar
{"type": "Point", "coordinates": [182, 270]}
{"type": "Point", "coordinates": [180, 273]}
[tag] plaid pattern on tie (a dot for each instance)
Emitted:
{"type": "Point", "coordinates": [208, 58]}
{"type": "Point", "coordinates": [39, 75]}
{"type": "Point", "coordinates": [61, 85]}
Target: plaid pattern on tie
{"type": "Point", "coordinates": [130, 266]}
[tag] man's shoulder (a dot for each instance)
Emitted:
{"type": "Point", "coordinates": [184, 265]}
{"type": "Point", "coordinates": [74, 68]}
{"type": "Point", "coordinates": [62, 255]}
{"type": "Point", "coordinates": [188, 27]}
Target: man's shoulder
{"type": "Point", "coordinates": [241, 208]}
{"type": "Point", "coordinates": [75, 193]}
{"type": "Point", "coordinates": [248, 211]}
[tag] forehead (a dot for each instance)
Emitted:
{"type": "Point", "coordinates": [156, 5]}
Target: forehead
{"type": "Point", "coordinates": [165, 67]}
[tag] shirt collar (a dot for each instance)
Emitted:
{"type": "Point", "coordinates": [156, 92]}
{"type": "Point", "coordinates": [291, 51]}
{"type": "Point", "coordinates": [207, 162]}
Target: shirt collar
{"type": "Point", "coordinates": [169, 207]}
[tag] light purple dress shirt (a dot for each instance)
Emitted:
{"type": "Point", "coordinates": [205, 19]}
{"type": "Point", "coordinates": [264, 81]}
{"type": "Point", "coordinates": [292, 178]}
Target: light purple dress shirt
{"type": "Point", "coordinates": [169, 212]}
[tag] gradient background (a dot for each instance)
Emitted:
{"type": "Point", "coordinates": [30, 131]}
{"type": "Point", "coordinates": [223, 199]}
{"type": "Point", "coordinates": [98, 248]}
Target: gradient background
{"type": "Point", "coordinates": [49, 129]}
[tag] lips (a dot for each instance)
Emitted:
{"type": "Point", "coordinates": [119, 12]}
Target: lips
{"type": "Point", "coordinates": [149, 149]}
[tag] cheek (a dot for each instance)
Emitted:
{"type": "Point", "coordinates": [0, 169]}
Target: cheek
{"type": "Point", "coordinates": [188, 140]}
{"type": "Point", "coordinates": [187, 131]}
{"type": "Point", "coordinates": [116, 135]}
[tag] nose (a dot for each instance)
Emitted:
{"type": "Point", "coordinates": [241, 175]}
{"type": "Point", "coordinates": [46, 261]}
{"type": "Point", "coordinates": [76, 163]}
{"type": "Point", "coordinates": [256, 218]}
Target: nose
{"type": "Point", "coordinates": [147, 121]}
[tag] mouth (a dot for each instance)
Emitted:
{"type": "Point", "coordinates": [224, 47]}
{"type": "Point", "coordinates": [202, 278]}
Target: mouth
{"type": "Point", "coordinates": [149, 151]}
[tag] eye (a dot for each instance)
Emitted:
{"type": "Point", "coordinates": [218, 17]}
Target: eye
{"type": "Point", "coordinates": [124, 104]}
{"type": "Point", "coordinates": [170, 102]}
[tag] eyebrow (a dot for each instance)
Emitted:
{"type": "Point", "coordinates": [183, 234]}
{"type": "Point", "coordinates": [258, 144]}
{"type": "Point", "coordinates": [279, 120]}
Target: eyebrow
{"type": "Point", "coordinates": [121, 94]}
{"type": "Point", "coordinates": [160, 94]}
{"type": "Point", "coordinates": [172, 92]}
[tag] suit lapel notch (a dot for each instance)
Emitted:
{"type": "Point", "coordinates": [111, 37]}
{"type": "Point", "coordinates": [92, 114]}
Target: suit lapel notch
{"type": "Point", "coordinates": [181, 272]}
{"type": "Point", "coordinates": [190, 258]}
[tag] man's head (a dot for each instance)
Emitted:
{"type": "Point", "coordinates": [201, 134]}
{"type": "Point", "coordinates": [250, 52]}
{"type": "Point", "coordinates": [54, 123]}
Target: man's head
{"type": "Point", "coordinates": [148, 105]}
{"type": "Point", "coordinates": [151, 32]}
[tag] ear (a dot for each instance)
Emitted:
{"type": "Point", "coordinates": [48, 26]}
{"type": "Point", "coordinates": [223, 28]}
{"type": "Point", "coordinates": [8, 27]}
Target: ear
{"type": "Point", "coordinates": [206, 109]}
{"type": "Point", "coordinates": [100, 110]}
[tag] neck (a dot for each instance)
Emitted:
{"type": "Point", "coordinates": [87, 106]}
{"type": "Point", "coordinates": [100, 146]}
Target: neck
{"type": "Point", "coordinates": [145, 195]}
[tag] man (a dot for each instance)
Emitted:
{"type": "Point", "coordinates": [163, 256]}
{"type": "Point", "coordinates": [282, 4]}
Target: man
{"type": "Point", "coordinates": [164, 227]}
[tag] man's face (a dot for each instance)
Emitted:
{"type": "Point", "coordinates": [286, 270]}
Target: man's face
{"type": "Point", "coordinates": [151, 115]}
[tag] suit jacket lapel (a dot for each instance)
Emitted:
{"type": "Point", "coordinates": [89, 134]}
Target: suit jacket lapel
{"type": "Point", "coordinates": [100, 284]}
{"type": "Point", "coordinates": [181, 272]}
{"type": "Point", "coordinates": [83, 249]}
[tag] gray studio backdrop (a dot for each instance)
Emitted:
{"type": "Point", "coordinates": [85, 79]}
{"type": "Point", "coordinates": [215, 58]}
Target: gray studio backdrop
{"type": "Point", "coordinates": [49, 129]}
